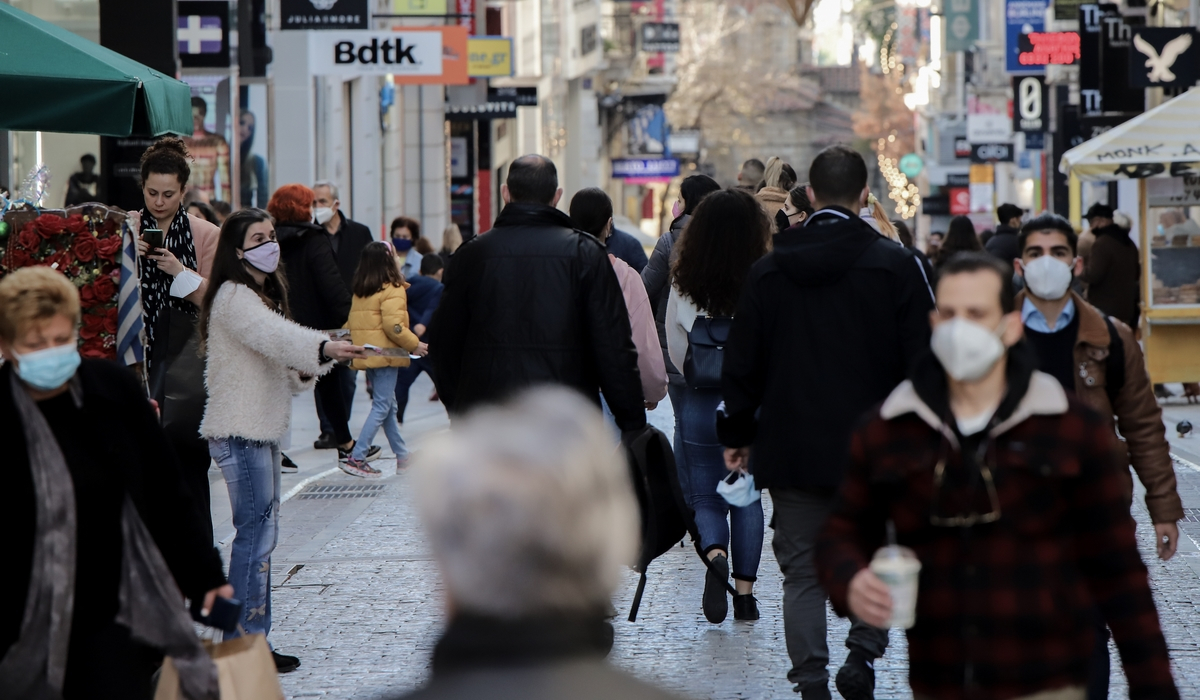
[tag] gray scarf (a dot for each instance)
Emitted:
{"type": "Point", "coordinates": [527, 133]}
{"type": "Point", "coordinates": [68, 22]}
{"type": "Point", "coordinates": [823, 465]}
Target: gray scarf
{"type": "Point", "coordinates": [34, 668]}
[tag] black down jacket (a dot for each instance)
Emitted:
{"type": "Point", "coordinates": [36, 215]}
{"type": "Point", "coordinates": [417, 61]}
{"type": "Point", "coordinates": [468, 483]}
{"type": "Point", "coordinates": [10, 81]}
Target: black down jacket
{"type": "Point", "coordinates": [828, 324]}
{"type": "Point", "coordinates": [317, 296]}
{"type": "Point", "coordinates": [534, 301]}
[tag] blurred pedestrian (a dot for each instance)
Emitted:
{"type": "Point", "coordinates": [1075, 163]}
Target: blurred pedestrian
{"type": "Point", "coordinates": [1099, 360]}
{"type": "Point", "coordinates": [88, 471]}
{"type": "Point", "coordinates": [404, 233]}
{"type": "Point", "coordinates": [1003, 244]}
{"type": "Point", "coordinates": [796, 209]}
{"type": "Point", "coordinates": [728, 233]}
{"type": "Point", "coordinates": [254, 187]}
{"type": "Point", "coordinates": [173, 282]}
{"type": "Point", "coordinates": [203, 210]}
{"type": "Point", "coordinates": [751, 175]}
{"type": "Point", "coordinates": [825, 328]}
{"type": "Point", "coordinates": [627, 248]}
{"type": "Point", "coordinates": [875, 216]}
{"type": "Point", "coordinates": [256, 359]}
{"type": "Point", "coordinates": [317, 298]}
{"type": "Point", "coordinates": [778, 179]}
{"type": "Point", "coordinates": [534, 302]}
{"type": "Point", "coordinates": [424, 295]}
{"type": "Point", "coordinates": [222, 209]}
{"type": "Point", "coordinates": [379, 317]}
{"type": "Point", "coordinates": [82, 185]}
{"type": "Point", "coordinates": [657, 279]}
{"type": "Point", "coordinates": [1013, 497]}
{"type": "Point", "coordinates": [530, 517]}
{"type": "Point", "coordinates": [934, 242]}
{"type": "Point", "coordinates": [591, 212]}
{"type": "Point", "coordinates": [960, 237]}
{"type": "Point", "coordinates": [1114, 268]}
{"type": "Point", "coordinates": [452, 238]}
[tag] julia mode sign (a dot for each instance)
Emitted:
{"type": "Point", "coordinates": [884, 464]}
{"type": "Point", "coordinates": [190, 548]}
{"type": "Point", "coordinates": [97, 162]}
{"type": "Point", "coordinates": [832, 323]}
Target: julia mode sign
{"type": "Point", "coordinates": [367, 52]}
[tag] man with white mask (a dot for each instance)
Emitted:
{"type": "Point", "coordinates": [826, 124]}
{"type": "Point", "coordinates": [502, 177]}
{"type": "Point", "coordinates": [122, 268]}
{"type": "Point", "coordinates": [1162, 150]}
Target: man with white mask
{"type": "Point", "coordinates": [1097, 358]}
{"type": "Point", "coordinates": [1011, 493]}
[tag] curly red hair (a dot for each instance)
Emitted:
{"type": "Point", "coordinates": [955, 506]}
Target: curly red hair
{"type": "Point", "coordinates": [291, 203]}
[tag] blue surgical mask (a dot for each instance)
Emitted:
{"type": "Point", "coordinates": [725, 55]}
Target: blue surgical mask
{"type": "Point", "coordinates": [48, 369]}
{"type": "Point", "coordinates": [1160, 229]}
{"type": "Point", "coordinates": [403, 245]}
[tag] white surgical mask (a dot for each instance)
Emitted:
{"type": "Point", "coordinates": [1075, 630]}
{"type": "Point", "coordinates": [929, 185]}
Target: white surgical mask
{"type": "Point", "coordinates": [967, 350]}
{"type": "Point", "coordinates": [738, 489]}
{"type": "Point", "coordinates": [323, 215]}
{"type": "Point", "coordinates": [1048, 277]}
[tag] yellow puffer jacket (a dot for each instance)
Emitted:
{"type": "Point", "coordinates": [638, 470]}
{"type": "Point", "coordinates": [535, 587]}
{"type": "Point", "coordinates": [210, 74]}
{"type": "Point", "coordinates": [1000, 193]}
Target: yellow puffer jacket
{"type": "Point", "coordinates": [381, 320]}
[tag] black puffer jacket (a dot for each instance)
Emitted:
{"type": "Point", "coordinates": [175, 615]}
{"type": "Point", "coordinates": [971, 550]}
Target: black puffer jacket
{"type": "Point", "coordinates": [656, 276]}
{"type": "Point", "coordinates": [827, 325]}
{"type": "Point", "coordinates": [534, 301]}
{"type": "Point", "coordinates": [317, 296]}
{"type": "Point", "coordinates": [1004, 244]}
{"type": "Point", "coordinates": [351, 238]}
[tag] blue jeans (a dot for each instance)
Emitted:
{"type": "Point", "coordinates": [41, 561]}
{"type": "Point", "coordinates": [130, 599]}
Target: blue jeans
{"type": "Point", "coordinates": [702, 467]}
{"type": "Point", "coordinates": [383, 412]}
{"type": "Point", "coordinates": [251, 471]}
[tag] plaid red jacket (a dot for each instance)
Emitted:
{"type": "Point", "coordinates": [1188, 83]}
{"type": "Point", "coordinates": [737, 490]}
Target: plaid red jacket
{"type": "Point", "coordinates": [1004, 609]}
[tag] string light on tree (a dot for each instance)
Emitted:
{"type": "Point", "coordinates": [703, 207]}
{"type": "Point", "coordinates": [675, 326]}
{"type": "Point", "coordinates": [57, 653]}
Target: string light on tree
{"type": "Point", "coordinates": [904, 193]}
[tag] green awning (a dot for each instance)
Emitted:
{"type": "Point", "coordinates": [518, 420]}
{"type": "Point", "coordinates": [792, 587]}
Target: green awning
{"type": "Point", "coordinates": [53, 80]}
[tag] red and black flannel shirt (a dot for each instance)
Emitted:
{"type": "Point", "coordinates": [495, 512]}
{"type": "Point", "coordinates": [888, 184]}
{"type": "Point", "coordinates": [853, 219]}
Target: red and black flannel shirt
{"type": "Point", "coordinates": [1004, 609]}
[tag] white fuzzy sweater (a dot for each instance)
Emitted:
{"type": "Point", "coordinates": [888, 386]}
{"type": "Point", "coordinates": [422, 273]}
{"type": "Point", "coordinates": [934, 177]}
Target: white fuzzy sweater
{"type": "Point", "coordinates": [255, 357]}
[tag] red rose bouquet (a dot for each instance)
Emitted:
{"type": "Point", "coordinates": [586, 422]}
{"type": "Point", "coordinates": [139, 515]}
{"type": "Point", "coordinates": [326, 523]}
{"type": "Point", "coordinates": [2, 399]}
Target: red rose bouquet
{"type": "Point", "coordinates": [86, 247]}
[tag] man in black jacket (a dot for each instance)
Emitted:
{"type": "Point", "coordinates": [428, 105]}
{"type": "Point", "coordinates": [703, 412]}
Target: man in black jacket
{"type": "Point", "coordinates": [1004, 243]}
{"type": "Point", "coordinates": [827, 326]}
{"type": "Point", "coordinates": [348, 239]}
{"type": "Point", "coordinates": [534, 302]}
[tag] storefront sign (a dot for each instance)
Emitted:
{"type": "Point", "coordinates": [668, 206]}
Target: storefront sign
{"type": "Point", "coordinates": [520, 96]}
{"type": "Point", "coordinates": [660, 37]}
{"type": "Point", "coordinates": [645, 168]}
{"type": "Point", "coordinates": [415, 56]}
{"type": "Point", "coordinates": [1029, 104]}
{"type": "Point", "coordinates": [203, 33]}
{"type": "Point", "coordinates": [1066, 9]}
{"type": "Point", "coordinates": [988, 128]}
{"type": "Point", "coordinates": [1022, 19]}
{"type": "Point", "coordinates": [960, 200]}
{"type": "Point", "coordinates": [420, 7]}
{"type": "Point", "coordinates": [991, 153]}
{"type": "Point", "coordinates": [323, 14]}
{"type": "Point", "coordinates": [1089, 58]}
{"type": "Point", "coordinates": [911, 164]}
{"type": "Point", "coordinates": [1116, 44]}
{"type": "Point", "coordinates": [962, 24]}
{"type": "Point", "coordinates": [1164, 57]}
{"type": "Point", "coordinates": [480, 112]}
{"type": "Point", "coordinates": [588, 39]}
{"type": "Point", "coordinates": [1049, 49]}
{"type": "Point", "coordinates": [489, 57]}
{"type": "Point", "coordinates": [684, 141]}
{"type": "Point", "coordinates": [962, 148]}
{"type": "Point", "coordinates": [936, 205]}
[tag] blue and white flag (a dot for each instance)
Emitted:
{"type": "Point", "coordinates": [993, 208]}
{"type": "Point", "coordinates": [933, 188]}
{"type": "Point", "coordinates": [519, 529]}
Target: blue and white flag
{"type": "Point", "coordinates": [131, 336]}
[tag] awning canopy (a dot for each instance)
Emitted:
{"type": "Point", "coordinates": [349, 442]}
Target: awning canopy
{"type": "Point", "coordinates": [1164, 142]}
{"type": "Point", "coordinates": [53, 80]}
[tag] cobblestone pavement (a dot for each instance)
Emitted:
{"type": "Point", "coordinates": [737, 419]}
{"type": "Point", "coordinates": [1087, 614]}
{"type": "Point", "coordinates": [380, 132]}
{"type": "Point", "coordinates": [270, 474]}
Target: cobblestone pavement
{"type": "Point", "coordinates": [357, 596]}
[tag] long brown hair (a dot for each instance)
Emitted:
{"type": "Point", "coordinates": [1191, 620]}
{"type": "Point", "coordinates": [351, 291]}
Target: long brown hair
{"type": "Point", "coordinates": [376, 269]}
{"type": "Point", "coordinates": [228, 267]}
{"type": "Point", "coordinates": [727, 234]}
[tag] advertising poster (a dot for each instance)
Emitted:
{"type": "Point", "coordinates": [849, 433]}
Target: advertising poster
{"type": "Point", "coordinates": [1022, 18]}
{"type": "Point", "coordinates": [962, 24]}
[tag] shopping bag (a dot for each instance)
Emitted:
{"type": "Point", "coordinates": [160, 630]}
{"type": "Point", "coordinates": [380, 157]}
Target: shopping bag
{"type": "Point", "coordinates": [245, 668]}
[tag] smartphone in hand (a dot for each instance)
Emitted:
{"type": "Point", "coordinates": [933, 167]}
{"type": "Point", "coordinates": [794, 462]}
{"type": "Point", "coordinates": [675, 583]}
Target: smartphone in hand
{"type": "Point", "coordinates": [153, 237]}
{"type": "Point", "coordinates": [225, 614]}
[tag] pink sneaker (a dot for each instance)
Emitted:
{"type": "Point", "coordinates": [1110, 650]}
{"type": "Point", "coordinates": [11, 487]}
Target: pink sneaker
{"type": "Point", "coordinates": [359, 468]}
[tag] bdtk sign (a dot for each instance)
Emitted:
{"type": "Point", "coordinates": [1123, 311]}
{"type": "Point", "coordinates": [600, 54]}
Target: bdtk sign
{"type": "Point", "coordinates": [363, 53]}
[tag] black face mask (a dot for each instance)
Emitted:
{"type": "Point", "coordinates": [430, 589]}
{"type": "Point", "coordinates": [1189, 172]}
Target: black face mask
{"type": "Point", "coordinates": [781, 220]}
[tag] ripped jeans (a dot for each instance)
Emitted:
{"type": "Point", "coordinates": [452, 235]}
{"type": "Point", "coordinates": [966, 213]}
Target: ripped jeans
{"type": "Point", "coordinates": [251, 471]}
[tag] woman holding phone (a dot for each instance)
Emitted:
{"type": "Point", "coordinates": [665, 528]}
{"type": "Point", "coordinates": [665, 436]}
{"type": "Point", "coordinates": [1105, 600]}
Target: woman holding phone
{"type": "Point", "coordinates": [256, 359]}
{"type": "Point", "coordinates": [177, 252]}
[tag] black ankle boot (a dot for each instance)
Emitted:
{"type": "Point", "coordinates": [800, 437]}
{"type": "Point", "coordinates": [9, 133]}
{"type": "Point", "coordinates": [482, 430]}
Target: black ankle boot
{"type": "Point", "coordinates": [716, 601]}
{"type": "Point", "coordinates": [856, 678]}
{"type": "Point", "coordinates": [745, 607]}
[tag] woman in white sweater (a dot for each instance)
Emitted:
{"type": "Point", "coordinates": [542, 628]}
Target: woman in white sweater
{"type": "Point", "coordinates": [256, 360]}
{"type": "Point", "coordinates": [727, 234]}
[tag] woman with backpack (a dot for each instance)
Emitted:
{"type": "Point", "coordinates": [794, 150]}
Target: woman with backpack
{"type": "Point", "coordinates": [727, 234]}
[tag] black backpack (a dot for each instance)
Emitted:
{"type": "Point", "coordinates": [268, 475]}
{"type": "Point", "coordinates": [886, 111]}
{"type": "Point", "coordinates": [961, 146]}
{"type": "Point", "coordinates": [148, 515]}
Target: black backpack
{"type": "Point", "coordinates": [706, 351]}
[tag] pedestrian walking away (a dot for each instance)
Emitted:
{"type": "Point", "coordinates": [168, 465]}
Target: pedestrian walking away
{"type": "Point", "coordinates": [1098, 359]}
{"type": "Point", "coordinates": [92, 487]}
{"type": "Point", "coordinates": [174, 277]}
{"type": "Point", "coordinates": [826, 326]}
{"type": "Point", "coordinates": [959, 238]}
{"type": "Point", "coordinates": [728, 233]}
{"type": "Point", "coordinates": [530, 516]}
{"type": "Point", "coordinates": [778, 180]}
{"type": "Point", "coordinates": [1009, 492]}
{"type": "Point", "coordinates": [591, 211]}
{"type": "Point", "coordinates": [1114, 268]}
{"type": "Point", "coordinates": [379, 318]}
{"type": "Point", "coordinates": [256, 359]}
{"type": "Point", "coordinates": [424, 294]}
{"type": "Point", "coordinates": [533, 301]}
{"type": "Point", "coordinates": [1003, 243]}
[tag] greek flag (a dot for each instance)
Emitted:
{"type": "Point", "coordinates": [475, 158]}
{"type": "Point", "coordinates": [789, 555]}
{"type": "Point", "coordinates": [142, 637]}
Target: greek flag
{"type": "Point", "coordinates": [130, 329]}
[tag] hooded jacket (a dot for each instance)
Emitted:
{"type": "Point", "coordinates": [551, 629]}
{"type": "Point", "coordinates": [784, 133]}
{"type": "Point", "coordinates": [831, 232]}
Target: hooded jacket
{"type": "Point", "coordinates": [1112, 273]}
{"type": "Point", "coordinates": [532, 302]}
{"type": "Point", "coordinates": [827, 326]}
{"type": "Point", "coordinates": [1004, 244]}
{"type": "Point", "coordinates": [771, 199]}
{"type": "Point", "coordinates": [317, 296]}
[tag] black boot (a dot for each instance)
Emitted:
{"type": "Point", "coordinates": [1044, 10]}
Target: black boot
{"type": "Point", "coordinates": [716, 602]}
{"type": "Point", "coordinates": [745, 607]}
{"type": "Point", "coordinates": [285, 663]}
{"type": "Point", "coordinates": [856, 678]}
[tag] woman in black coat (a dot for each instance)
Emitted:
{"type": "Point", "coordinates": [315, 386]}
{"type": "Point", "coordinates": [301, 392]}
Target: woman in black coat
{"type": "Point", "coordinates": [317, 295]}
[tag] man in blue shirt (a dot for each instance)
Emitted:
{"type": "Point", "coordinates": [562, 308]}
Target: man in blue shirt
{"type": "Point", "coordinates": [424, 293]}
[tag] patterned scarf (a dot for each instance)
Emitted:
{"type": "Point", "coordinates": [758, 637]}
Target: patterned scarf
{"type": "Point", "coordinates": [156, 284]}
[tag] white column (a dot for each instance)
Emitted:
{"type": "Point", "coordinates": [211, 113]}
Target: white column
{"type": "Point", "coordinates": [292, 119]}
{"type": "Point", "coordinates": [426, 181]}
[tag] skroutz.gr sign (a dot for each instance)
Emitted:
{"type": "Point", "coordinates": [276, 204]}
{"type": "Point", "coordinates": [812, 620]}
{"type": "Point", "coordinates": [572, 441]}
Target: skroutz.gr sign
{"type": "Point", "coordinates": [437, 55]}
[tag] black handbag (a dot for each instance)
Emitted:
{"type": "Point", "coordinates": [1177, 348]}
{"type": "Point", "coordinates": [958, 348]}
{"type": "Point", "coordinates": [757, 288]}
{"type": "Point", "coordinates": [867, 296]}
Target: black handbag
{"type": "Point", "coordinates": [177, 377]}
{"type": "Point", "coordinates": [706, 351]}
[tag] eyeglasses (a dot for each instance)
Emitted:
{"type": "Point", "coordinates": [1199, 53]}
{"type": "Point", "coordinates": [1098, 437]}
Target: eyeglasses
{"type": "Point", "coordinates": [969, 519]}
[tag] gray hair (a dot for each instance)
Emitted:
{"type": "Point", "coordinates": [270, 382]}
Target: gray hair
{"type": "Point", "coordinates": [333, 188]}
{"type": "Point", "coordinates": [528, 507]}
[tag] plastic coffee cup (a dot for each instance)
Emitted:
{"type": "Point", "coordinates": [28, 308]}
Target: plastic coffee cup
{"type": "Point", "coordinates": [899, 568]}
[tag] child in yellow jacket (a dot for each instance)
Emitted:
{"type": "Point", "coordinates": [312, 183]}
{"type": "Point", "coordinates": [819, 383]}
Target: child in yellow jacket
{"type": "Point", "coordinates": [379, 319]}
